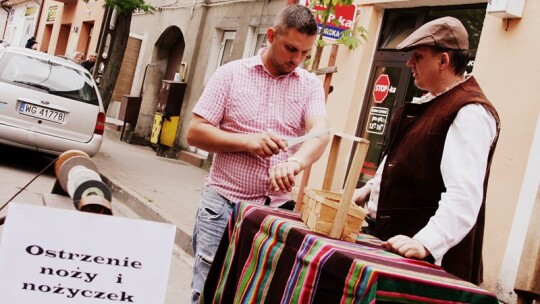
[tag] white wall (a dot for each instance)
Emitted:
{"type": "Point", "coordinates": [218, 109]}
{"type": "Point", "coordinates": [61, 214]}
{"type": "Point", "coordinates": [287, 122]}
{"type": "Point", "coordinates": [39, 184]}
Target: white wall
{"type": "Point", "coordinates": [21, 27]}
{"type": "Point", "coordinates": [506, 70]}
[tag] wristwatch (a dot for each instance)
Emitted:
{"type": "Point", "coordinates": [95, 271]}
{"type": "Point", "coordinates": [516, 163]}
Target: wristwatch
{"type": "Point", "coordinates": [298, 161]}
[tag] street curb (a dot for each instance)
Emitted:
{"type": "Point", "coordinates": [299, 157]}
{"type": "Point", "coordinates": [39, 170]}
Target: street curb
{"type": "Point", "coordinates": [137, 204]}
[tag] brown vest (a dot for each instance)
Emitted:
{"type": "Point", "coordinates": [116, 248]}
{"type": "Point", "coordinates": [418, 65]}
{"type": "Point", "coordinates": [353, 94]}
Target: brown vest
{"type": "Point", "coordinates": [412, 183]}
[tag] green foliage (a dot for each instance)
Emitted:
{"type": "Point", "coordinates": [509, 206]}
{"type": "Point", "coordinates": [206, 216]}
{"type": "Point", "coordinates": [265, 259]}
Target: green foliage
{"type": "Point", "coordinates": [130, 6]}
{"type": "Point", "coordinates": [320, 42]}
{"type": "Point", "coordinates": [353, 38]}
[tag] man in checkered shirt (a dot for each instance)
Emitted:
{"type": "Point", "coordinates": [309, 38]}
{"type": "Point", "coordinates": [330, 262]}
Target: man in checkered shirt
{"type": "Point", "coordinates": [248, 110]}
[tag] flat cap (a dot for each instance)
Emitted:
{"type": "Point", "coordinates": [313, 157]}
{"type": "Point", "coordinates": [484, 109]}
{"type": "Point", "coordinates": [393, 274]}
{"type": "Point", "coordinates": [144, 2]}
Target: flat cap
{"type": "Point", "coordinates": [443, 33]}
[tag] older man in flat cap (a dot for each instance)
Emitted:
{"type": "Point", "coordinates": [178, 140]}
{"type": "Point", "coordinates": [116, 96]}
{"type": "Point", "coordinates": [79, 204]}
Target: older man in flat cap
{"type": "Point", "coordinates": [427, 199]}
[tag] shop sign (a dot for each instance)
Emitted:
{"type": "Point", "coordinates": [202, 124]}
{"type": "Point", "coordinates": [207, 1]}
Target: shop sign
{"type": "Point", "coordinates": [343, 19]}
{"type": "Point", "coordinates": [377, 120]}
{"type": "Point", "coordinates": [52, 255]}
{"type": "Point", "coordinates": [51, 13]}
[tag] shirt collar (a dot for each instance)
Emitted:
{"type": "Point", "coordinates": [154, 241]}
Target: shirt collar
{"type": "Point", "coordinates": [429, 97]}
{"type": "Point", "coordinates": [256, 61]}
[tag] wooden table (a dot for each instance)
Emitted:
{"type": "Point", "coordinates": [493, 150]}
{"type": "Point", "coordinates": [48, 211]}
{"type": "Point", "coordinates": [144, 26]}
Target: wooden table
{"type": "Point", "coordinates": [270, 256]}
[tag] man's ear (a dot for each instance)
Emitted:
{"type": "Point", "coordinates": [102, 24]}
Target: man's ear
{"type": "Point", "coordinates": [444, 60]}
{"type": "Point", "coordinates": [270, 34]}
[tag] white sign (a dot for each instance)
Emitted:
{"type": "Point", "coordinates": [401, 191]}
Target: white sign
{"type": "Point", "coordinates": [377, 120]}
{"type": "Point", "coordinates": [50, 255]}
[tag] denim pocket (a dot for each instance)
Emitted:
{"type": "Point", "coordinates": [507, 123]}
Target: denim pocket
{"type": "Point", "coordinates": [212, 205]}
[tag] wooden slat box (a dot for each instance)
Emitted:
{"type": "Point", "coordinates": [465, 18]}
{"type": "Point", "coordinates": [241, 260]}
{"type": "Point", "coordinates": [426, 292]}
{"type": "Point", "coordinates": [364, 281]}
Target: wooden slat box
{"type": "Point", "coordinates": [334, 214]}
{"type": "Point", "coordinates": [320, 209]}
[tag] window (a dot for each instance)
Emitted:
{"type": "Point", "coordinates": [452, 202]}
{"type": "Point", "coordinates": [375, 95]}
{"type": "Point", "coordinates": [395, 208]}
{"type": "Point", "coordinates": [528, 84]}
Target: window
{"type": "Point", "coordinates": [48, 76]}
{"type": "Point", "coordinates": [255, 40]}
{"type": "Point", "coordinates": [396, 28]}
{"type": "Point", "coordinates": [472, 19]}
{"type": "Point", "coordinates": [226, 48]}
{"type": "Point", "coordinates": [399, 24]}
{"type": "Point", "coordinates": [261, 41]}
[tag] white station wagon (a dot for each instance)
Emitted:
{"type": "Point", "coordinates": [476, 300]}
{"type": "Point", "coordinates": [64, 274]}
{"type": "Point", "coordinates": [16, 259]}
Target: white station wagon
{"type": "Point", "coordinates": [48, 103]}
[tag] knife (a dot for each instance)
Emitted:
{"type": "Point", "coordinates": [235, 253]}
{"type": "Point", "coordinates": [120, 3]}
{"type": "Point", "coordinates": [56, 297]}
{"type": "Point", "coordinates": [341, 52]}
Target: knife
{"type": "Point", "coordinates": [295, 141]}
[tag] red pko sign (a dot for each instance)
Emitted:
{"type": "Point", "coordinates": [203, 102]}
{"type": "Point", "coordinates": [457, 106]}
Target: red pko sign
{"type": "Point", "coordinates": [344, 19]}
{"type": "Point", "coordinates": [381, 87]}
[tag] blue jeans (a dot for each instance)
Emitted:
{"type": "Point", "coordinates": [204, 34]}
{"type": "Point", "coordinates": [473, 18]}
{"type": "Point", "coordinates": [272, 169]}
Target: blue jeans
{"type": "Point", "coordinates": [212, 218]}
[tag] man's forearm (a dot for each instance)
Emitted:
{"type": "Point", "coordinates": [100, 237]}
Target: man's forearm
{"type": "Point", "coordinates": [312, 149]}
{"type": "Point", "coordinates": [213, 139]}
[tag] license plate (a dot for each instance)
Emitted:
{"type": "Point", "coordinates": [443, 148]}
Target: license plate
{"type": "Point", "coordinates": [41, 112]}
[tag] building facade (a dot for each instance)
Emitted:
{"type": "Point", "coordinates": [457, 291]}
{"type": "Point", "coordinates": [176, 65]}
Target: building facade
{"type": "Point", "coordinates": [68, 26]}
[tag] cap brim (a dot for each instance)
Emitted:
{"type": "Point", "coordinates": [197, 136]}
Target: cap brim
{"type": "Point", "coordinates": [413, 41]}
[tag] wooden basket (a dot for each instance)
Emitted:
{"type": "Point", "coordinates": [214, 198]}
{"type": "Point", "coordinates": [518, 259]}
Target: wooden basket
{"type": "Point", "coordinates": [332, 214]}
{"type": "Point", "coordinates": [320, 209]}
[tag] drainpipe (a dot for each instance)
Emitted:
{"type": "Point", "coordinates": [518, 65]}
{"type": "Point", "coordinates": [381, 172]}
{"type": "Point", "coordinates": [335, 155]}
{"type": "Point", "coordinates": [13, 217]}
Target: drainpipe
{"type": "Point", "coordinates": [144, 77]}
{"type": "Point", "coordinates": [38, 17]}
{"type": "Point", "coordinates": [102, 38]}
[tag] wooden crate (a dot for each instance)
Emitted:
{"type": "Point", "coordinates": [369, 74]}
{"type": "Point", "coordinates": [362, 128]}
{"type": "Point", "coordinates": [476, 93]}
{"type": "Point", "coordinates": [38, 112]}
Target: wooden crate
{"type": "Point", "coordinates": [320, 209]}
{"type": "Point", "coordinates": [334, 214]}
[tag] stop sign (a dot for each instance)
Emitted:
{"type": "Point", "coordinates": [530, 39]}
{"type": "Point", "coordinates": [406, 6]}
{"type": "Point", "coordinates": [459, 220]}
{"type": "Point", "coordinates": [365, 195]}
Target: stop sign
{"type": "Point", "coordinates": [380, 90]}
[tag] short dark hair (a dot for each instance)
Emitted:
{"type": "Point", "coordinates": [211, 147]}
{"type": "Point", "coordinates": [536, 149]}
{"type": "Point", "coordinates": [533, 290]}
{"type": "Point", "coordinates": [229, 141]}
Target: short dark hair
{"type": "Point", "coordinates": [298, 17]}
{"type": "Point", "coordinates": [459, 59]}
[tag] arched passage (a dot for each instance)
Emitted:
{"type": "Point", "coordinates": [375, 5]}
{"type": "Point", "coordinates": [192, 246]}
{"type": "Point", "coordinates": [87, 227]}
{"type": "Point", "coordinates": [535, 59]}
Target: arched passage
{"type": "Point", "coordinates": [165, 62]}
{"type": "Point", "coordinates": [170, 48]}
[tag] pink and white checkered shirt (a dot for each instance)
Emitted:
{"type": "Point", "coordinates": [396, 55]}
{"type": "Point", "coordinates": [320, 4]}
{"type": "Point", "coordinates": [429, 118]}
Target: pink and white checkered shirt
{"type": "Point", "coordinates": [242, 97]}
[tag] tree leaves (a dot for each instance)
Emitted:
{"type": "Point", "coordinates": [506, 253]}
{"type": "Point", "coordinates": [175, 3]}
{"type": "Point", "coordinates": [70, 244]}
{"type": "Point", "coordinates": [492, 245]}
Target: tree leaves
{"type": "Point", "coordinates": [130, 6]}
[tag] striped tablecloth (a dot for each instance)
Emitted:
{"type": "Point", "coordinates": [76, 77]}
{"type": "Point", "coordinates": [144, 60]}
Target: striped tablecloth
{"type": "Point", "coordinates": [270, 256]}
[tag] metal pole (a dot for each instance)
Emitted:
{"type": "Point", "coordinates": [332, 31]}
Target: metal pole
{"type": "Point", "coordinates": [102, 38]}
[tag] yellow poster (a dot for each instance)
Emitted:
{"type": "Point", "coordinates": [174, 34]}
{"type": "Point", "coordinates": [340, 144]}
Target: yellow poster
{"type": "Point", "coordinates": [30, 11]}
{"type": "Point", "coordinates": [51, 14]}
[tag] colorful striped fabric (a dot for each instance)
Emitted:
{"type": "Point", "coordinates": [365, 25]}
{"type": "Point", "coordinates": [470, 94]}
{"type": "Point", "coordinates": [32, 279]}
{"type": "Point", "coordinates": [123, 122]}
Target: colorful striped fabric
{"type": "Point", "coordinates": [269, 256]}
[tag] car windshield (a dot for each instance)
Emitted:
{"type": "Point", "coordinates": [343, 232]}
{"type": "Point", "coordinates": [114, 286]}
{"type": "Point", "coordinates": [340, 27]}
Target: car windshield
{"type": "Point", "coordinates": [45, 75]}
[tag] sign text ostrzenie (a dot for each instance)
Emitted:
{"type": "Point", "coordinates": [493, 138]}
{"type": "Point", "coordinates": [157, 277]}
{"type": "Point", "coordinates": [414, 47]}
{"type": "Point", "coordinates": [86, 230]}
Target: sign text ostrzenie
{"type": "Point", "coordinates": [50, 255]}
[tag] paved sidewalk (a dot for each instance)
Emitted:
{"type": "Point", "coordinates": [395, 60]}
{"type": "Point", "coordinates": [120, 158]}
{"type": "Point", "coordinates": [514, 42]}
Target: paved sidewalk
{"type": "Point", "coordinates": [156, 188]}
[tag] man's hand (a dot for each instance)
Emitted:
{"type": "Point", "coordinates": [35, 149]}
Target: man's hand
{"type": "Point", "coordinates": [282, 175]}
{"type": "Point", "coordinates": [361, 195]}
{"type": "Point", "coordinates": [264, 144]}
{"type": "Point", "coordinates": [405, 246]}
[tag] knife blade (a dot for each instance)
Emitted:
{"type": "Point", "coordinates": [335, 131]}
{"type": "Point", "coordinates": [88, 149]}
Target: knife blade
{"type": "Point", "coordinates": [296, 140]}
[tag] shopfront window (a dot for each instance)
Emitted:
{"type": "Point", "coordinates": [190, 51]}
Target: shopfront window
{"type": "Point", "coordinates": [397, 27]}
{"type": "Point", "coordinates": [399, 24]}
{"type": "Point", "coordinates": [472, 19]}
{"type": "Point", "coordinates": [381, 105]}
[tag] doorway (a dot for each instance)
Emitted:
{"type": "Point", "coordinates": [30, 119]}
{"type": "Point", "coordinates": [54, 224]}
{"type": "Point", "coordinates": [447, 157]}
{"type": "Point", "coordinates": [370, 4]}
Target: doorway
{"type": "Point", "coordinates": [390, 82]}
{"type": "Point", "coordinates": [46, 38]}
{"type": "Point", "coordinates": [85, 35]}
{"type": "Point", "coordinates": [63, 38]}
